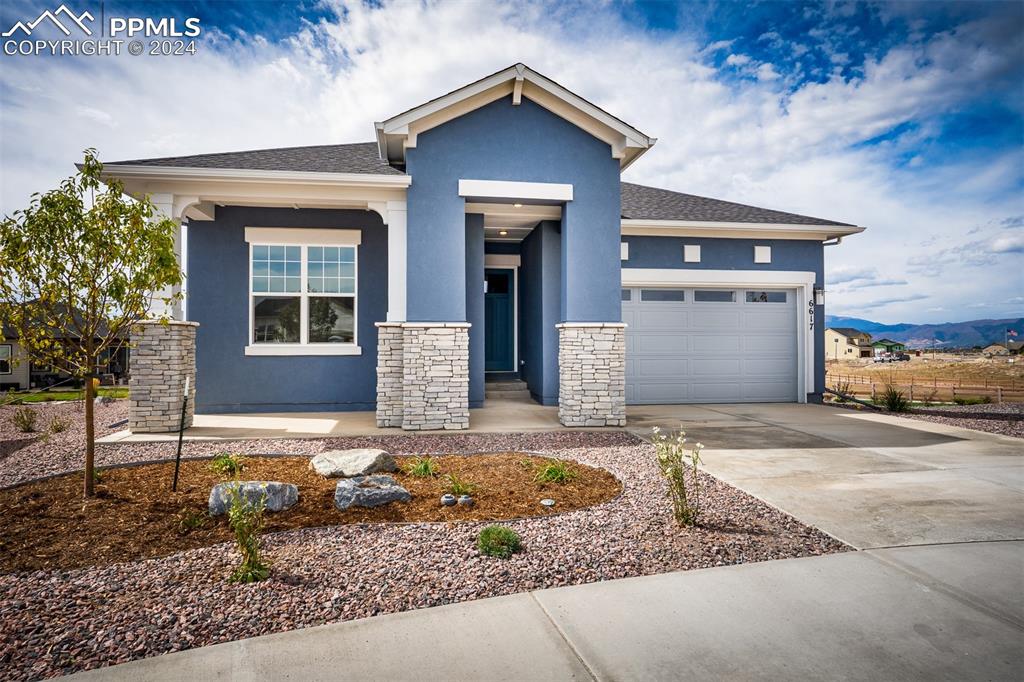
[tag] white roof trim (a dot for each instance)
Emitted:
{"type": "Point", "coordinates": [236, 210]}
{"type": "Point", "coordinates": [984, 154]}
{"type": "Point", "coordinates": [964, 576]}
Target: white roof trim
{"type": "Point", "coordinates": [399, 133]}
{"type": "Point", "coordinates": [121, 171]}
{"type": "Point", "coordinates": [692, 228]}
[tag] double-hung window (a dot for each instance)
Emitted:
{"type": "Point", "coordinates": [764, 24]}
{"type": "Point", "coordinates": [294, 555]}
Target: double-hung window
{"type": "Point", "coordinates": [302, 291]}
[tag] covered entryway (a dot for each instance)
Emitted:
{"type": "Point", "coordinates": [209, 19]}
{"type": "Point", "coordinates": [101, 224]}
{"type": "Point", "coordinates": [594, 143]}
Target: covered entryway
{"type": "Point", "coordinates": [711, 345]}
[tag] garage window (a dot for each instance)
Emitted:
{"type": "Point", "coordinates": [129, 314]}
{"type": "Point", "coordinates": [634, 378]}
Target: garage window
{"type": "Point", "coordinates": [766, 297]}
{"type": "Point", "coordinates": [714, 296]}
{"type": "Point", "coordinates": [671, 295]}
{"type": "Point", "coordinates": [627, 295]}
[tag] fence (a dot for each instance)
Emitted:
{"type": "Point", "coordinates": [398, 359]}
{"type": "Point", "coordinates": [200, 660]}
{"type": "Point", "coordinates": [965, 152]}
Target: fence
{"type": "Point", "coordinates": [929, 390]}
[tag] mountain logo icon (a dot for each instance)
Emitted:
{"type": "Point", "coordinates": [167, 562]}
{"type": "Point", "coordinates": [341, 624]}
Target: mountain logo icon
{"type": "Point", "coordinates": [53, 17]}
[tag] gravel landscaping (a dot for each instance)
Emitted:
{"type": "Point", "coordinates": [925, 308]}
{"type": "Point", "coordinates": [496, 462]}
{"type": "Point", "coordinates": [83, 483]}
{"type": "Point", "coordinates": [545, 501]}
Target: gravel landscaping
{"type": "Point", "coordinates": [1006, 419]}
{"type": "Point", "coordinates": [55, 622]}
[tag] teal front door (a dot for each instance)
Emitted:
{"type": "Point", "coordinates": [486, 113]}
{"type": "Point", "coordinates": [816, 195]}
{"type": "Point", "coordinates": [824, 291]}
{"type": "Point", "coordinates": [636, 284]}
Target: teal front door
{"type": "Point", "coordinates": [499, 320]}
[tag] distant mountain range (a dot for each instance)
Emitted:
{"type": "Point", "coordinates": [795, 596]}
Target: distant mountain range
{"type": "Point", "coordinates": [945, 335]}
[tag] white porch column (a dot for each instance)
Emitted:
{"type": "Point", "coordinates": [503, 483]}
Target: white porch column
{"type": "Point", "coordinates": [164, 204]}
{"type": "Point", "coordinates": [397, 247]}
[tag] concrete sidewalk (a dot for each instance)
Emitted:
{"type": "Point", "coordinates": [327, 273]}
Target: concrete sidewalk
{"type": "Point", "coordinates": [945, 612]}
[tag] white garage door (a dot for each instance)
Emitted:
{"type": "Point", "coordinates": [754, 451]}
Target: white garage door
{"type": "Point", "coordinates": [686, 345]}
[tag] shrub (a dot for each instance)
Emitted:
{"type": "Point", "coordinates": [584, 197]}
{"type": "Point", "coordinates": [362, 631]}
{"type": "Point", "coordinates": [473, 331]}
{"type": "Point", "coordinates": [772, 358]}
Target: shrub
{"type": "Point", "coordinates": [983, 400]}
{"type": "Point", "coordinates": [498, 541]}
{"type": "Point", "coordinates": [555, 472]}
{"type": "Point", "coordinates": [844, 388]}
{"type": "Point", "coordinates": [929, 397]}
{"type": "Point", "coordinates": [894, 400]}
{"type": "Point", "coordinates": [423, 467]}
{"type": "Point", "coordinates": [98, 475]}
{"type": "Point", "coordinates": [227, 464]}
{"type": "Point", "coordinates": [58, 424]}
{"type": "Point", "coordinates": [246, 520]}
{"type": "Point", "coordinates": [678, 463]}
{"type": "Point", "coordinates": [456, 486]}
{"type": "Point", "coordinates": [190, 519]}
{"type": "Point", "coordinates": [24, 418]}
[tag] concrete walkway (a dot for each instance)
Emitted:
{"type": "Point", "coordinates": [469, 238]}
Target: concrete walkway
{"type": "Point", "coordinates": [936, 592]}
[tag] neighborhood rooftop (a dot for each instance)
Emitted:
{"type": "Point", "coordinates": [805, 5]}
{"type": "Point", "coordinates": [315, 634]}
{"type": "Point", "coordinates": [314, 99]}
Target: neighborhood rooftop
{"type": "Point", "coordinates": [639, 202]}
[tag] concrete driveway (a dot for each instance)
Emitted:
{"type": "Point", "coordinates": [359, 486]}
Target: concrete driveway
{"type": "Point", "coordinates": [870, 480]}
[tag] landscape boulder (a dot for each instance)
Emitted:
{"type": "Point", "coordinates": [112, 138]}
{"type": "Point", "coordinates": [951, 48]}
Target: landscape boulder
{"type": "Point", "coordinates": [368, 491]}
{"type": "Point", "coordinates": [358, 462]}
{"type": "Point", "coordinates": [279, 496]}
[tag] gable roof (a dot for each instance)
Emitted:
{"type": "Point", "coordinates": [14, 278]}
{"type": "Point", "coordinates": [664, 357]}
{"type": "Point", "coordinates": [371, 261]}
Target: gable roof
{"type": "Point", "coordinates": [640, 202]}
{"type": "Point", "coordinates": [360, 157]}
{"type": "Point", "coordinates": [850, 332]}
{"type": "Point", "coordinates": [399, 132]}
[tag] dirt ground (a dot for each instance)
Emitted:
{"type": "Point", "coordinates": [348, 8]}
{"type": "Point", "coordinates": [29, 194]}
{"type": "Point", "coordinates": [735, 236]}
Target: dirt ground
{"type": "Point", "coordinates": [46, 524]}
{"type": "Point", "coordinates": [946, 368]}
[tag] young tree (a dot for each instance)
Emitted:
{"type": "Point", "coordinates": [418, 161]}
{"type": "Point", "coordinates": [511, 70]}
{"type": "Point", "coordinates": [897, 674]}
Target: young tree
{"type": "Point", "coordinates": [78, 268]}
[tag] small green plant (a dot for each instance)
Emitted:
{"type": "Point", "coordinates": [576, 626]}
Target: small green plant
{"type": "Point", "coordinates": [983, 400]}
{"type": "Point", "coordinates": [58, 424]}
{"type": "Point", "coordinates": [555, 472]}
{"type": "Point", "coordinates": [245, 517]}
{"type": "Point", "coordinates": [424, 467]}
{"type": "Point", "coordinates": [227, 464]}
{"type": "Point", "coordinates": [678, 462]}
{"type": "Point", "coordinates": [24, 418]}
{"type": "Point", "coordinates": [498, 541]}
{"type": "Point", "coordinates": [526, 463]}
{"type": "Point", "coordinates": [98, 475]}
{"type": "Point", "coordinates": [457, 486]}
{"type": "Point", "coordinates": [190, 519]}
{"type": "Point", "coordinates": [894, 400]}
{"type": "Point", "coordinates": [842, 388]}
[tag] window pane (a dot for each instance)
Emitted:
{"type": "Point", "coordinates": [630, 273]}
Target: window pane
{"type": "Point", "coordinates": [260, 252]}
{"type": "Point", "coordinates": [348, 286]}
{"type": "Point", "coordinates": [5, 359]}
{"type": "Point", "coordinates": [714, 296]}
{"type": "Point", "coordinates": [348, 270]}
{"type": "Point", "coordinates": [627, 294]}
{"type": "Point", "coordinates": [331, 320]}
{"type": "Point", "coordinates": [293, 284]}
{"type": "Point", "coordinates": [331, 254]}
{"type": "Point", "coordinates": [316, 253]}
{"type": "Point", "coordinates": [260, 284]}
{"type": "Point", "coordinates": [271, 265]}
{"type": "Point", "coordinates": [276, 320]}
{"type": "Point", "coordinates": [330, 285]}
{"type": "Point", "coordinates": [276, 253]}
{"type": "Point", "coordinates": [260, 268]}
{"type": "Point", "coordinates": [316, 285]}
{"type": "Point", "coordinates": [294, 254]}
{"type": "Point", "coordinates": [675, 295]}
{"type": "Point", "coordinates": [766, 297]}
{"type": "Point", "coordinates": [348, 254]}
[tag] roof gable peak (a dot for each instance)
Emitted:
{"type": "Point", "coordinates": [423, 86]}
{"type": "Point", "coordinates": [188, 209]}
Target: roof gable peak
{"type": "Point", "coordinates": [400, 132]}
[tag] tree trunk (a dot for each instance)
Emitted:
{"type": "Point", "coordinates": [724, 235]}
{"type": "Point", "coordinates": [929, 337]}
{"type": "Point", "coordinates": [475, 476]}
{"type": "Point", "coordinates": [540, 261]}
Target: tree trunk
{"type": "Point", "coordinates": [90, 436]}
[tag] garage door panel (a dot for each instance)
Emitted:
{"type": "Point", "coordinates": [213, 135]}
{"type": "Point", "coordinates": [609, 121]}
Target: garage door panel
{"type": "Point", "coordinates": [678, 352]}
{"type": "Point", "coordinates": [715, 343]}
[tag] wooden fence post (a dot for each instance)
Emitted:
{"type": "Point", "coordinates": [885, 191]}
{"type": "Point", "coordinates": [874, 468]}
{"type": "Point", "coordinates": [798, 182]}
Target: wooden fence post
{"type": "Point", "coordinates": [872, 390]}
{"type": "Point", "coordinates": [954, 394]}
{"type": "Point", "coordinates": [999, 395]}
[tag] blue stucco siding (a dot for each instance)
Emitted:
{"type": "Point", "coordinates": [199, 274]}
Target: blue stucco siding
{"type": "Point", "coordinates": [540, 302]}
{"type": "Point", "coordinates": [804, 255]}
{"type": "Point", "coordinates": [475, 306]}
{"type": "Point", "coordinates": [524, 143]}
{"type": "Point", "coordinates": [218, 299]}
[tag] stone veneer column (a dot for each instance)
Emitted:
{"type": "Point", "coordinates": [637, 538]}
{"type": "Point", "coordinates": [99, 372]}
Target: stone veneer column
{"type": "Point", "coordinates": [435, 370]}
{"type": "Point", "coordinates": [163, 354]}
{"type": "Point", "coordinates": [592, 373]}
{"type": "Point", "coordinates": [390, 379]}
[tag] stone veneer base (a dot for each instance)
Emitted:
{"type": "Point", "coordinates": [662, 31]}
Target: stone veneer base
{"type": "Point", "coordinates": [163, 354]}
{"type": "Point", "coordinates": [423, 375]}
{"type": "Point", "coordinates": [592, 373]}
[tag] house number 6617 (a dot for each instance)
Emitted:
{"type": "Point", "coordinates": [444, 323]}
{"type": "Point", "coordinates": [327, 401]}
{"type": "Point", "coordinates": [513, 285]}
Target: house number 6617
{"type": "Point", "coordinates": [810, 314]}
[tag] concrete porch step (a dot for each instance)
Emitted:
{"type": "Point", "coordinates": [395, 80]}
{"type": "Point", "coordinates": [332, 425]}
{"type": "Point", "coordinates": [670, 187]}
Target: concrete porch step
{"type": "Point", "coordinates": [506, 385]}
{"type": "Point", "coordinates": [524, 394]}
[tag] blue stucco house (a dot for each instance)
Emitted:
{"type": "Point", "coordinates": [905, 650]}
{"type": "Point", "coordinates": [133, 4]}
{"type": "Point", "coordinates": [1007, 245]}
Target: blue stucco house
{"type": "Point", "coordinates": [485, 233]}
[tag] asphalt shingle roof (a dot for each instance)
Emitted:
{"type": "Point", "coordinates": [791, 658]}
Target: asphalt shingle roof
{"type": "Point", "coordinates": [639, 202]}
{"type": "Point", "coordinates": [360, 157]}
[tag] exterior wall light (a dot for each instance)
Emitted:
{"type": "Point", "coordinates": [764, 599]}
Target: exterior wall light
{"type": "Point", "coordinates": [503, 232]}
{"type": "Point", "coordinates": [517, 205]}
{"type": "Point", "coordinates": [819, 296]}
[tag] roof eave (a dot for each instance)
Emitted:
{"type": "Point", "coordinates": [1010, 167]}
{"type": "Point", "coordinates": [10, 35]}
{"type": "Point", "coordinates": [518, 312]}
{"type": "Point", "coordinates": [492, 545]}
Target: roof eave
{"type": "Point", "coordinates": [124, 172]}
{"type": "Point", "coordinates": [700, 228]}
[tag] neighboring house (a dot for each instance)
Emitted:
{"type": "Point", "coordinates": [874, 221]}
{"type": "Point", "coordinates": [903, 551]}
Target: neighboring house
{"type": "Point", "coordinates": [19, 373]}
{"type": "Point", "coordinates": [1008, 348]}
{"type": "Point", "coordinates": [14, 366]}
{"type": "Point", "coordinates": [887, 346]}
{"type": "Point", "coordinates": [486, 231]}
{"type": "Point", "coordinates": [844, 343]}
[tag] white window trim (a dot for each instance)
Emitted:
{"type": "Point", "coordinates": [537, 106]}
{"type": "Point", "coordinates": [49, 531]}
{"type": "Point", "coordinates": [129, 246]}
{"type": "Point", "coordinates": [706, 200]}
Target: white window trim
{"type": "Point", "coordinates": [303, 238]}
{"type": "Point", "coordinates": [10, 358]}
{"type": "Point", "coordinates": [800, 281]}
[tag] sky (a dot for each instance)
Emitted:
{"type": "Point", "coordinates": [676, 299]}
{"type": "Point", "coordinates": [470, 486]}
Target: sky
{"type": "Point", "coordinates": [905, 118]}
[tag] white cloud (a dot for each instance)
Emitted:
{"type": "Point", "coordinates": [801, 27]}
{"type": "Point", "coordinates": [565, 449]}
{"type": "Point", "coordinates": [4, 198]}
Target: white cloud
{"type": "Point", "coordinates": [750, 142]}
{"type": "Point", "coordinates": [1011, 243]}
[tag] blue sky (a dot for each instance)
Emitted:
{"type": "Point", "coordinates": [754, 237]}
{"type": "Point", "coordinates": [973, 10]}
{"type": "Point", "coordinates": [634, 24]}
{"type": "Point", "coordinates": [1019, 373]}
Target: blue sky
{"type": "Point", "coordinates": [903, 117]}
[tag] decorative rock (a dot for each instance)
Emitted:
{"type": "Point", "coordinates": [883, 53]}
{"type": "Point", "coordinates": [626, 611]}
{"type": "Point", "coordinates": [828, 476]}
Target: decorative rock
{"type": "Point", "coordinates": [368, 491]}
{"type": "Point", "coordinates": [448, 500]}
{"type": "Point", "coordinates": [279, 496]}
{"type": "Point", "coordinates": [358, 462]}
{"type": "Point", "coordinates": [465, 501]}
{"type": "Point", "coordinates": [548, 502]}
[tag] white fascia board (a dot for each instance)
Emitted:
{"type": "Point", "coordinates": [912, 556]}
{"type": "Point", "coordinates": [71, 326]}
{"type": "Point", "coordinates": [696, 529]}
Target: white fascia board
{"type": "Point", "coordinates": [505, 189]}
{"type": "Point", "coordinates": [249, 175]}
{"type": "Point", "coordinates": [637, 277]}
{"type": "Point", "coordinates": [692, 228]}
{"type": "Point", "coordinates": [303, 236]}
